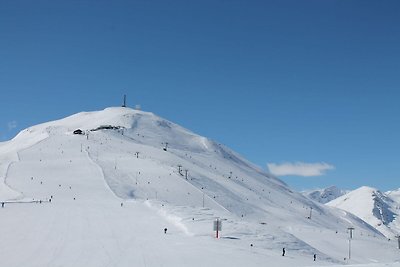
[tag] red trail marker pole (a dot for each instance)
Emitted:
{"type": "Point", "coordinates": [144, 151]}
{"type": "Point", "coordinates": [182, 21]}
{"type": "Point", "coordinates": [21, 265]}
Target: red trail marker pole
{"type": "Point", "coordinates": [217, 227]}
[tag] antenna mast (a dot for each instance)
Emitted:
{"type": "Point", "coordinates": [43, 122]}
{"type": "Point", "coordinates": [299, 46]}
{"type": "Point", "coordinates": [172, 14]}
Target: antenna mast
{"type": "Point", "coordinates": [124, 104]}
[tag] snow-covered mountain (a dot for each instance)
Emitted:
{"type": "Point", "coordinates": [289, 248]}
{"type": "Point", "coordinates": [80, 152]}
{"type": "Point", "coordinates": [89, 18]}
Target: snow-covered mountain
{"type": "Point", "coordinates": [394, 195]}
{"type": "Point", "coordinates": [98, 188]}
{"type": "Point", "coordinates": [378, 209]}
{"type": "Point", "coordinates": [325, 195]}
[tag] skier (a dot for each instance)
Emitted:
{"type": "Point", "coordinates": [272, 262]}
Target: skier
{"type": "Point", "coordinates": [283, 252]}
{"type": "Point", "coordinates": [2, 204]}
{"type": "Point", "coordinates": [315, 257]}
{"type": "Point", "coordinates": [122, 204]}
{"type": "Point", "coordinates": [165, 230]}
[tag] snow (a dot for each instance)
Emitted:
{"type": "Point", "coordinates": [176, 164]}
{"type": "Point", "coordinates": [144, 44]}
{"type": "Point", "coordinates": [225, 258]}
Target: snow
{"type": "Point", "coordinates": [109, 204]}
{"type": "Point", "coordinates": [324, 195]}
{"type": "Point", "coordinates": [394, 195]}
{"type": "Point", "coordinates": [376, 208]}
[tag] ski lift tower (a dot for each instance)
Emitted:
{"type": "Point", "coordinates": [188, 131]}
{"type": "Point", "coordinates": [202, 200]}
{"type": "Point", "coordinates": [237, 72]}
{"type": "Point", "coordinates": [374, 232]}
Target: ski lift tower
{"type": "Point", "coordinates": [351, 229]}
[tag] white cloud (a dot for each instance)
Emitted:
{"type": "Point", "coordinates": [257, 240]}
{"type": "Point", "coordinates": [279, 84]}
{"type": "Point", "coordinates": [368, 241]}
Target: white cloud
{"type": "Point", "coordinates": [11, 125]}
{"type": "Point", "coordinates": [299, 168]}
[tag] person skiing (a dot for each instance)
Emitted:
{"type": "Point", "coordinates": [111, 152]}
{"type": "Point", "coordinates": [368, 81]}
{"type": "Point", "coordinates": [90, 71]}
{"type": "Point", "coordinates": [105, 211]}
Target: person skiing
{"type": "Point", "coordinates": [283, 252]}
{"type": "Point", "coordinates": [165, 230]}
{"type": "Point", "coordinates": [315, 257]}
{"type": "Point", "coordinates": [2, 204]}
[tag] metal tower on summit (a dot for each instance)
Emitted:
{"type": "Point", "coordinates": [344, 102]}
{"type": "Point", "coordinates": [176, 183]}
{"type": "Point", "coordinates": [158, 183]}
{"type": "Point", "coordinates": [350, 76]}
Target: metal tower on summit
{"type": "Point", "coordinates": [124, 104]}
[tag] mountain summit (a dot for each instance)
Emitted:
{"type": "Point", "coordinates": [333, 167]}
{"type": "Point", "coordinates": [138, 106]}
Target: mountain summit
{"type": "Point", "coordinates": [108, 183]}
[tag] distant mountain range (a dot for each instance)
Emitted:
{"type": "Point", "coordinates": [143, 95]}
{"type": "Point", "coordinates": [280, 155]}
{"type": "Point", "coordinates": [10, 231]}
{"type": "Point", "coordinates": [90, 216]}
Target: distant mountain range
{"type": "Point", "coordinates": [325, 195]}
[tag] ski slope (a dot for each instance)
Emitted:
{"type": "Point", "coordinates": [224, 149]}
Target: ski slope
{"type": "Point", "coordinates": [103, 199]}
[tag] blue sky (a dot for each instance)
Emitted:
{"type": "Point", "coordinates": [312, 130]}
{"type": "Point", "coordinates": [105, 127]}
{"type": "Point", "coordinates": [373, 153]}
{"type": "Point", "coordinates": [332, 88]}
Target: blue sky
{"type": "Point", "coordinates": [312, 82]}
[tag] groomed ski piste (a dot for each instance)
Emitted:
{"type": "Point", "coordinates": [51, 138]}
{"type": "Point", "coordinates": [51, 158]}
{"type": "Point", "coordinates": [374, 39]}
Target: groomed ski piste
{"type": "Point", "coordinates": [104, 198]}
